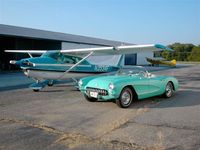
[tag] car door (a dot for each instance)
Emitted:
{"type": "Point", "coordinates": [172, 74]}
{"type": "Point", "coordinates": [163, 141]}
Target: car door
{"type": "Point", "coordinates": [141, 86]}
{"type": "Point", "coordinates": [155, 85]}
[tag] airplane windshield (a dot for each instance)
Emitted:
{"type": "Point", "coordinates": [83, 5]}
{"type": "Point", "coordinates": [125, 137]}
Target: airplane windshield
{"type": "Point", "coordinates": [52, 55]}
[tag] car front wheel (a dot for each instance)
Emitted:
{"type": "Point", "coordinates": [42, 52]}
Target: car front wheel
{"type": "Point", "coordinates": [169, 90]}
{"type": "Point", "coordinates": [125, 99]}
{"type": "Point", "coordinates": [90, 99]}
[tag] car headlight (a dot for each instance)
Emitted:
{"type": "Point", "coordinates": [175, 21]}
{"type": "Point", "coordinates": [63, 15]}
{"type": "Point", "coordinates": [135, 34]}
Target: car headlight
{"type": "Point", "coordinates": [111, 86]}
{"type": "Point", "coordinates": [80, 82]}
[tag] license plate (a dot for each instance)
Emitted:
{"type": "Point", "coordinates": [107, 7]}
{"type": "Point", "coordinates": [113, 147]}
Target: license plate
{"type": "Point", "coordinates": [94, 94]}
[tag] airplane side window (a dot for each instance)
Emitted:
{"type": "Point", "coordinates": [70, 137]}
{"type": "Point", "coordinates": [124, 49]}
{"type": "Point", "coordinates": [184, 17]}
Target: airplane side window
{"type": "Point", "coordinates": [67, 60]}
{"type": "Point", "coordinates": [59, 57]}
{"type": "Point", "coordinates": [75, 60]}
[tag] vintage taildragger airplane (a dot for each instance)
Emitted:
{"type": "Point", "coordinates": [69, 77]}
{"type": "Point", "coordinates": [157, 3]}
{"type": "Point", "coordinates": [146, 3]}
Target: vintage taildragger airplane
{"type": "Point", "coordinates": [161, 62]}
{"type": "Point", "coordinates": [72, 63]}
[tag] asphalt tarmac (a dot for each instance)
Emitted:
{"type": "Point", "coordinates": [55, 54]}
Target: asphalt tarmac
{"type": "Point", "coordinates": [59, 117]}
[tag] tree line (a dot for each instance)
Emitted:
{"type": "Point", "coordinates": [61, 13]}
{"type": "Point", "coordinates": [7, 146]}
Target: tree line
{"type": "Point", "coordinates": [182, 52]}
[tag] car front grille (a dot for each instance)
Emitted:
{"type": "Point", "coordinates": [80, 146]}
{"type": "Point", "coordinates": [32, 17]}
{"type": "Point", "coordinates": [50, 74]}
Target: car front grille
{"type": "Point", "coordinates": [99, 91]}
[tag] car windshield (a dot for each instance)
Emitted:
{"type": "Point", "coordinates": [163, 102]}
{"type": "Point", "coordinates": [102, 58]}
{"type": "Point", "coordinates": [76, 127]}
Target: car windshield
{"type": "Point", "coordinates": [133, 71]}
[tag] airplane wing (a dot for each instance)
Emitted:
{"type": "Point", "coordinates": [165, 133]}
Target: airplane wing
{"type": "Point", "coordinates": [130, 49]}
{"type": "Point", "coordinates": [27, 51]}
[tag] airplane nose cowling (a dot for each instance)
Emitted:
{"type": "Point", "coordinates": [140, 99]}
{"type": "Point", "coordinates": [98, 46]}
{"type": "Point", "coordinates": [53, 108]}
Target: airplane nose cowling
{"type": "Point", "coordinates": [22, 63]}
{"type": "Point", "coordinates": [14, 62]}
{"type": "Point", "coordinates": [27, 63]}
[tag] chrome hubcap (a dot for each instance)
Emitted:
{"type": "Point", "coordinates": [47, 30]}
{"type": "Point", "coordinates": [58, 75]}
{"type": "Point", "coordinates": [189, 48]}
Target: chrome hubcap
{"type": "Point", "coordinates": [168, 90]}
{"type": "Point", "coordinates": [126, 98]}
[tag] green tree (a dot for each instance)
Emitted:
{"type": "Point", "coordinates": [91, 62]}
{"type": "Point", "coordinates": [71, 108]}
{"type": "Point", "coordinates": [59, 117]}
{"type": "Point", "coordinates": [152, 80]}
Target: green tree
{"type": "Point", "coordinates": [167, 55]}
{"type": "Point", "coordinates": [181, 51]}
{"type": "Point", "coordinates": [195, 54]}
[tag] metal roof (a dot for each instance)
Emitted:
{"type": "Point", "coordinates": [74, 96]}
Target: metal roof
{"type": "Point", "coordinates": [9, 30]}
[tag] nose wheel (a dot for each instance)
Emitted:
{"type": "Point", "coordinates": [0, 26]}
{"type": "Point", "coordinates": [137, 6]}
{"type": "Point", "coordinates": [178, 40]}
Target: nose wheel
{"type": "Point", "coordinates": [36, 90]}
{"type": "Point", "coordinates": [36, 87]}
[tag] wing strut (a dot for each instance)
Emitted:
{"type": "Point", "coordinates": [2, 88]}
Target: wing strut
{"type": "Point", "coordinates": [76, 64]}
{"type": "Point", "coordinates": [30, 55]}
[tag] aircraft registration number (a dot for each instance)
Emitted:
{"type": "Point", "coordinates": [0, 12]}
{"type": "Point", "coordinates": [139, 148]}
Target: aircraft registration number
{"type": "Point", "coordinates": [94, 94]}
{"type": "Point", "coordinates": [101, 68]}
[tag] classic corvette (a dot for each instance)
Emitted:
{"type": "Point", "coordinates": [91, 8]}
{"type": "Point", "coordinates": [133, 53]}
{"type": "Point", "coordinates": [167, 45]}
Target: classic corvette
{"type": "Point", "coordinates": [126, 86]}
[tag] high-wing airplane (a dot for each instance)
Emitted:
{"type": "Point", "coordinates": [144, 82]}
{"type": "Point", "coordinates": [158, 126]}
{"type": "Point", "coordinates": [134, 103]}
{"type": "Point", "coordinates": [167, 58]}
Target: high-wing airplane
{"type": "Point", "coordinates": [62, 64]}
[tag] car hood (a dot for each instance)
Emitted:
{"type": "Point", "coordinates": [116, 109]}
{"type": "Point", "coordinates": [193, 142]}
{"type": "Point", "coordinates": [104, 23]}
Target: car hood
{"type": "Point", "coordinates": [104, 81]}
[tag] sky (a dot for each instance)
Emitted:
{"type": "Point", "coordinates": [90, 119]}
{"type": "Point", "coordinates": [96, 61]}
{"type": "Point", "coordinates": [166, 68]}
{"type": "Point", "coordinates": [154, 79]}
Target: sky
{"type": "Point", "coordinates": [133, 21]}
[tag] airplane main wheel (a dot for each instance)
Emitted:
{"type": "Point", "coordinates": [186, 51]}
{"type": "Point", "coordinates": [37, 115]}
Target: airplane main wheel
{"type": "Point", "coordinates": [90, 99]}
{"type": "Point", "coordinates": [169, 90]}
{"type": "Point", "coordinates": [36, 90]}
{"type": "Point", "coordinates": [50, 83]}
{"type": "Point", "coordinates": [126, 98]}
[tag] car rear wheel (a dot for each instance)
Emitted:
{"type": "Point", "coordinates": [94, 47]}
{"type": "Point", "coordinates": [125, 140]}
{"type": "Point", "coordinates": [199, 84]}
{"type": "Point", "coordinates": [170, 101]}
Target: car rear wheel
{"type": "Point", "coordinates": [126, 98]}
{"type": "Point", "coordinates": [169, 90]}
{"type": "Point", "coordinates": [90, 99]}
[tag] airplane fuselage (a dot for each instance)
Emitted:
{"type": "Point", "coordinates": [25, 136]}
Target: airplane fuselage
{"type": "Point", "coordinates": [54, 75]}
{"type": "Point", "coordinates": [60, 74]}
{"type": "Point", "coordinates": [53, 66]}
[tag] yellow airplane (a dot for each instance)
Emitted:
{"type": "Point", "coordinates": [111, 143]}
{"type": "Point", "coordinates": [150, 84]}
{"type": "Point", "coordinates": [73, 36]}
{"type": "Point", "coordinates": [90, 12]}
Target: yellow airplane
{"type": "Point", "coordinates": [161, 62]}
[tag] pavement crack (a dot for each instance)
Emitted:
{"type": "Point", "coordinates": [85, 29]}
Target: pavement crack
{"type": "Point", "coordinates": [72, 140]}
{"type": "Point", "coordinates": [26, 123]}
{"type": "Point", "coordinates": [69, 139]}
{"type": "Point", "coordinates": [164, 126]}
{"type": "Point", "coordinates": [125, 119]}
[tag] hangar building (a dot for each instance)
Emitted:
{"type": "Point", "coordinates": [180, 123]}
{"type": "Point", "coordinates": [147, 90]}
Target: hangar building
{"type": "Point", "coordinates": [13, 37]}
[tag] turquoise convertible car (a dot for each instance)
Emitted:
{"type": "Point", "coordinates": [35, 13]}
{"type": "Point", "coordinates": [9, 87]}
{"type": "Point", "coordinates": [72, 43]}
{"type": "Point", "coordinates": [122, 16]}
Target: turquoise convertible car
{"type": "Point", "coordinates": [126, 86]}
